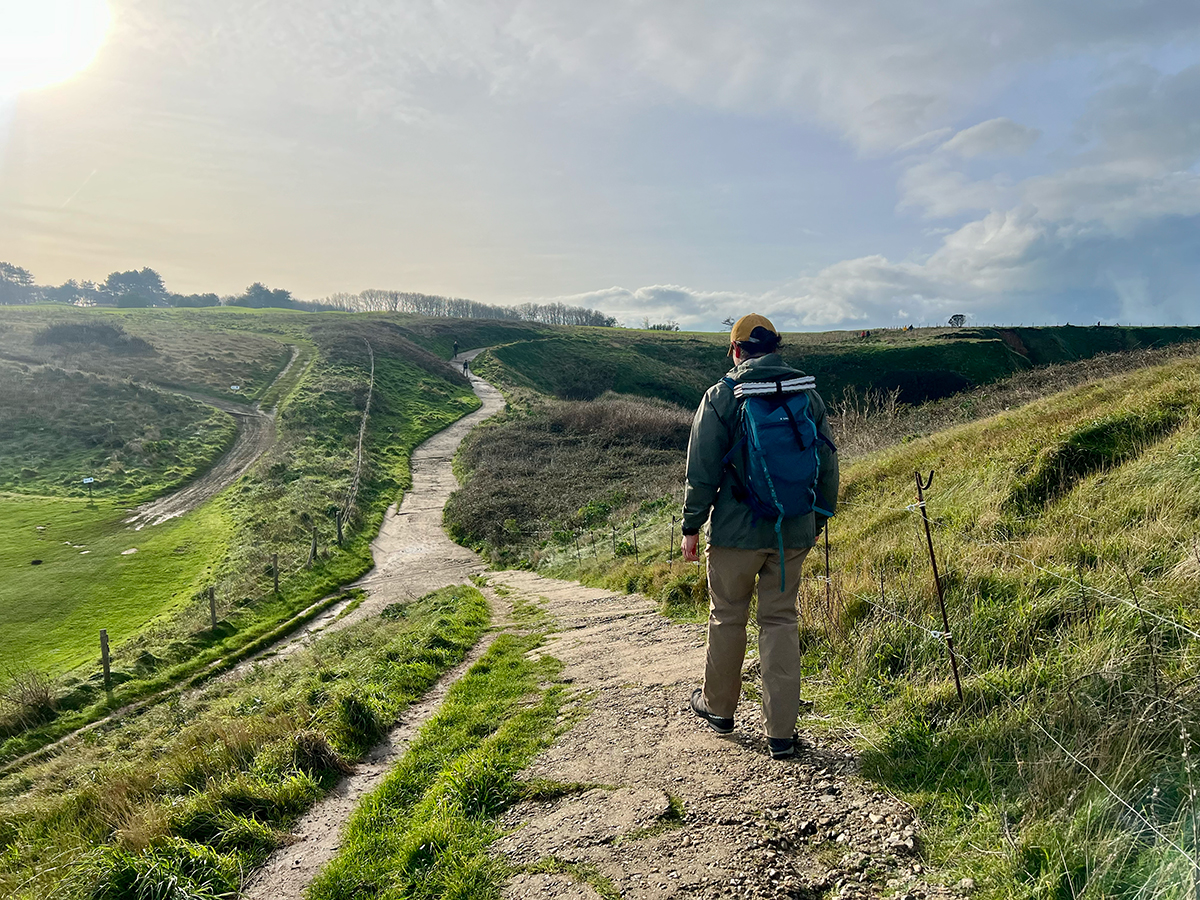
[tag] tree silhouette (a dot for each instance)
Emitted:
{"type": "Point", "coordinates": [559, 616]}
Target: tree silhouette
{"type": "Point", "coordinates": [957, 320]}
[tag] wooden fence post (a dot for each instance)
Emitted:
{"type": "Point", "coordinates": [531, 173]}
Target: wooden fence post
{"type": "Point", "coordinates": [614, 529]}
{"type": "Point", "coordinates": [636, 558]}
{"type": "Point", "coordinates": [339, 527]}
{"type": "Point", "coordinates": [671, 546]}
{"type": "Point", "coordinates": [275, 570]}
{"type": "Point", "coordinates": [212, 606]}
{"type": "Point", "coordinates": [312, 553]}
{"type": "Point", "coordinates": [104, 660]}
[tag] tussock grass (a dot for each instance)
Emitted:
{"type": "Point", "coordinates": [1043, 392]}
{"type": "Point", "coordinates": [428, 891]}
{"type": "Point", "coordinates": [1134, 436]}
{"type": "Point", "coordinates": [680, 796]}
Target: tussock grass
{"type": "Point", "coordinates": [195, 791]}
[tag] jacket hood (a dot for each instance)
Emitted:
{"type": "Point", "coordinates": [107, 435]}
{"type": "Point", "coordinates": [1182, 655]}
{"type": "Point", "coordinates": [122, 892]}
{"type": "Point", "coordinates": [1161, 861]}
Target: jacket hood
{"type": "Point", "coordinates": [763, 368]}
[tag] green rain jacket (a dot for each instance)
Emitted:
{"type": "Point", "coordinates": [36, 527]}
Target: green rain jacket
{"type": "Point", "coordinates": [710, 484]}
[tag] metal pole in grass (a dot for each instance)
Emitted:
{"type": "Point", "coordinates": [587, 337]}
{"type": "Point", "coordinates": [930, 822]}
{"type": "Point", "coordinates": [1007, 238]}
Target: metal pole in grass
{"type": "Point", "coordinates": [212, 606]}
{"type": "Point", "coordinates": [636, 558]}
{"type": "Point", "coordinates": [594, 553]}
{"type": "Point", "coordinates": [104, 660]}
{"type": "Point", "coordinates": [614, 528]}
{"type": "Point", "coordinates": [937, 579]}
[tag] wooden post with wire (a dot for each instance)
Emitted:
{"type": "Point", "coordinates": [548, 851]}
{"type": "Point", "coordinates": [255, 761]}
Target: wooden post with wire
{"type": "Point", "coordinates": [922, 487]}
{"type": "Point", "coordinates": [312, 553]}
{"type": "Point", "coordinates": [578, 559]}
{"type": "Point", "coordinates": [275, 570]}
{"type": "Point", "coordinates": [212, 606]}
{"type": "Point", "coordinates": [339, 527]}
{"type": "Point", "coordinates": [671, 546]}
{"type": "Point", "coordinates": [636, 558]}
{"type": "Point", "coordinates": [104, 660]}
{"type": "Point", "coordinates": [614, 530]}
{"type": "Point", "coordinates": [828, 576]}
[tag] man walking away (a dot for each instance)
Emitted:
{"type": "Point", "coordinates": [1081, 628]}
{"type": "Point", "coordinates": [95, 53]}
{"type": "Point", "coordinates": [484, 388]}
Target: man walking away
{"type": "Point", "coordinates": [762, 472]}
{"type": "Point", "coordinates": [455, 349]}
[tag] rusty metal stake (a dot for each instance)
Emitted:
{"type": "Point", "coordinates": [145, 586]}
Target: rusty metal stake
{"type": "Point", "coordinates": [828, 578]}
{"type": "Point", "coordinates": [937, 579]}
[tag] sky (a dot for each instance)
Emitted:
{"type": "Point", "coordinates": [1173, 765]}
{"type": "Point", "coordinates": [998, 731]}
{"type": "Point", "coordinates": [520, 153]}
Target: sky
{"type": "Point", "coordinates": [849, 164]}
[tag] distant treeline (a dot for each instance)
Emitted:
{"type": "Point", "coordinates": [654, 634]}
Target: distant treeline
{"type": "Point", "coordinates": [458, 308]}
{"type": "Point", "coordinates": [145, 288]}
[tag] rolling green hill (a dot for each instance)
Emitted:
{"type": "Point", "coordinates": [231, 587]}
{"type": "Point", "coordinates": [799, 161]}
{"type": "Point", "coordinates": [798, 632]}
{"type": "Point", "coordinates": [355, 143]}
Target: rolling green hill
{"type": "Point", "coordinates": [923, 364]}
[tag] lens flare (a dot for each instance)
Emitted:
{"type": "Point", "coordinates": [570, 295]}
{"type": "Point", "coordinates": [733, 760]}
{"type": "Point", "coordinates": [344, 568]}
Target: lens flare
{"type": "Point", "coordinates": [43, 42]}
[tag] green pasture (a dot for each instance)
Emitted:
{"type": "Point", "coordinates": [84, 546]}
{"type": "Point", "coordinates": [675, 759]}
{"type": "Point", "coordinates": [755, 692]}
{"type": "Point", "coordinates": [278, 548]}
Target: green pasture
{"type": "Point", "coordinates": [86, 579]}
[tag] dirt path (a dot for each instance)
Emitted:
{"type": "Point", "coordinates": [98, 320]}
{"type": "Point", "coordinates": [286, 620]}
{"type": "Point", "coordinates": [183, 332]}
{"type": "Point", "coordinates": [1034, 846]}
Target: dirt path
{"type": "Point", "coordinates": [749, 826]}
{"type": "Point", "coordinates": [256, 434]}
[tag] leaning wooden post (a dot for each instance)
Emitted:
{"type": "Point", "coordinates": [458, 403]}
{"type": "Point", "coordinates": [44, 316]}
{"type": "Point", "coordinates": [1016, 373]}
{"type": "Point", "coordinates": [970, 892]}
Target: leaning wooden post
{"type": "Point", "coordinates": [937, 579]}
{"type": "Point", "coordinates": [275, 570]}
{"type": "Point", "coordinates": [312, 553]}
{"type": "Point", "coordinates": [104, 660]}
{"type": "Point", "coordinates": [339, 527]}
{"type": "Point", "coordinates": [212, 606]}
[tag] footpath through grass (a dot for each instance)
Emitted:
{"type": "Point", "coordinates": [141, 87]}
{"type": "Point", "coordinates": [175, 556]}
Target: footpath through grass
{"type": "Point", "coordinates": [182, 801]}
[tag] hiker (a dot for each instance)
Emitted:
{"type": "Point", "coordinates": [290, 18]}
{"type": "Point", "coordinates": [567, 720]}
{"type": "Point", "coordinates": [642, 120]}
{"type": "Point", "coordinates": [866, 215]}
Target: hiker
{"type": "Point", "coordinates": [764, 416]}
{"type": "Point", "coordinates": [455, 349]}
{"type": "Point", "coordinates": [466, 363]}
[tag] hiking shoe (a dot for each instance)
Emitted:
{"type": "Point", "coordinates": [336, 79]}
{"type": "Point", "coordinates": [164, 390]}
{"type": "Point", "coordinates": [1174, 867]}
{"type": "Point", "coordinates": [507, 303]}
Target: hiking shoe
{"type": "Point", "coordinates": [784, 748]}
{"type": "Point", "coordinates": [718, 724]}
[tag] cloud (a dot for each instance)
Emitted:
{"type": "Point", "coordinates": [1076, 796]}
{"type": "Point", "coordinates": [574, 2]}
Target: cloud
{"type": "Point", "coordinates": [995, 137]}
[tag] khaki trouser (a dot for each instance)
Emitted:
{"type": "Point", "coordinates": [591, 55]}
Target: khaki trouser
{"type": "Point", "coordinates": [731, 576]}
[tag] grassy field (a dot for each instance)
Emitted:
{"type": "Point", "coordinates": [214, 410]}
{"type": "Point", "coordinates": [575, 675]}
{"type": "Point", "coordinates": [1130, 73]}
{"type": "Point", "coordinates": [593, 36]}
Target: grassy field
{"type": "Point", "coordinates": [69, 571]}
{"type": "Point", "coordinates": [181, 801]}
{"type": "Point", "coordinates": [1067, 528]}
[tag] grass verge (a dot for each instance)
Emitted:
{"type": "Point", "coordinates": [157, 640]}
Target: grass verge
{"type": "Point", "coordinates": [190, 794]}
{"type": "Point", "coordinates": [425, 832]}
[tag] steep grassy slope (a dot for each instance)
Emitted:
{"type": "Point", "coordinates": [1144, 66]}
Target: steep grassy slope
{"type": "Point", "coordinates": [922, 364]}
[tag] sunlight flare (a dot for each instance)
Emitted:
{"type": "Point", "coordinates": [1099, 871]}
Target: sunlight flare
{"type": "Point", "coordinates": [48, 41]}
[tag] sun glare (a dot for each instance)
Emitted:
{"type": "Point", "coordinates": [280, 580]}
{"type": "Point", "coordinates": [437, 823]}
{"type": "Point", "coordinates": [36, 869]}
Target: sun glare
{"type": "Point", "coordinates": [43, 42]}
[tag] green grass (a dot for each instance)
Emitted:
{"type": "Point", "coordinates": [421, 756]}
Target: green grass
{"type": "Point", "coordinates": [425, 832]}
{"type": "Point", "coordinates": [195, 792]}
{"type": "Point", "coordinates": [86, 580]}
{"type": "Point", "coordinates": [60, 427]}
{"type": "Point", "coordinates": [230, 544]}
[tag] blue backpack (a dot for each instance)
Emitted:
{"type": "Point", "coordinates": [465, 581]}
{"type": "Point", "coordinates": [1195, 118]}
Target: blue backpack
{"type": "Point", "coordinates": [776, 460]}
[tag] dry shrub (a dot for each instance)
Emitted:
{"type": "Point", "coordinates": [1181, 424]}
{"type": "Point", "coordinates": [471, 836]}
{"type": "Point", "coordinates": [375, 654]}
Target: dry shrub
{"type": "Point", "coordinates": [26, 701]}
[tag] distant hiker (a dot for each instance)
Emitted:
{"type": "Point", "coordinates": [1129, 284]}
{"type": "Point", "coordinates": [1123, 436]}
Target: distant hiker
{"type": "Point", "coordinates": [455, 349]}
{"type": "Point", "coordinates": [762, 472]}
{"type": "Point", "coordinates": [466, 364]}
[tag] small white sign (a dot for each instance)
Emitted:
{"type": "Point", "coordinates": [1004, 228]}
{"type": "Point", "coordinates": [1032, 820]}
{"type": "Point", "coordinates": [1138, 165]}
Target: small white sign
{"type": "Point", "coordinates": [88, 480]}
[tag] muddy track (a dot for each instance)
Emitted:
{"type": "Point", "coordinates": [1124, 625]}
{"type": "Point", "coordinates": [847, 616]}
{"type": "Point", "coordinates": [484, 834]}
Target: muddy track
{"type": "Point", "coordinates": [256, 435]}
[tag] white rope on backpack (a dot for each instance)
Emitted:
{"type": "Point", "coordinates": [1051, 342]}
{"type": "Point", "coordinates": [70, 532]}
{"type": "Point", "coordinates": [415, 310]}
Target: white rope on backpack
{"type": "Point", "coordinates": [787, 386]}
